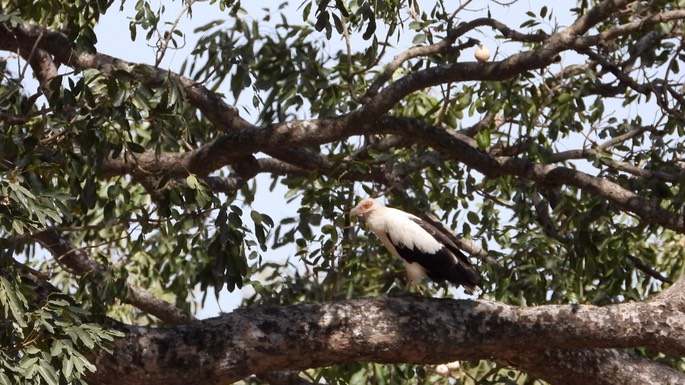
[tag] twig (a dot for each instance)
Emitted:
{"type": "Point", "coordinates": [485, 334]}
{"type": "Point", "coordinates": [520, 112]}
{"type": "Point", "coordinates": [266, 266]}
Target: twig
{"type": "Point", "coordinates": [165, 40]}
{"type": "Point", "coordinates": [648, 270]}
{"type": "Point", "coordinates": [77, 260]}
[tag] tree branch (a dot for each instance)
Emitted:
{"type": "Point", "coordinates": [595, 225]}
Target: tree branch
{"type": "Point", "coordinates": [445, 45]}
{"type": "Point", "coordinates": [78, 261]}
{"type": "Point", "coordinates": [224, 117]}
{"type": "Point", "coordinates": [454, 146]}
{"type": "Point", "coordinates": [22, 38]}
{"type": "Point", "coordinates": [451, 145]}
{"type": "Point", "coordinates": [234, 345]}
{"type": "Point", "coordinates": [516, 64]}
{"type": "Point", "coordinates": [640, 24]}
{"type": "Point", "coordinates": [591, 154]}
{"type": "Point", "coordinates": [595, 367]}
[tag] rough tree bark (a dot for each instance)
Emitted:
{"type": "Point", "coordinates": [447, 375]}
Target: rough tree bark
{"type": "Point", "coordinates": [408, 329]}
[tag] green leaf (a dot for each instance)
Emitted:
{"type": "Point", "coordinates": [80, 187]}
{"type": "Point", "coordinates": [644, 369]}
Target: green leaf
{"type": "Point", "coordinates": [370, 29]}
{"type": "Point", "coordinates": [18, 227]}
{"type": "Point", "coordinates": [565, 97]}
{"type": "Point", "coordinates": [338, 23]}
{"type": "Point", "coordinates": [22, 192]}
{"type": "Point", "coordinates": [56, 348]}
{"type": "Point", "coordinates": [135, 147]}
{"type": "Point", "coordinates": [68, 366]}
{"type": "Point", "coordinates": [85, 337]}
{"type": "Point", "coordinates": [322, 21]}
{"type": "Point", "coordinates": [267, 220]}
{"type": "Point", "coordinates": [81, 363]}
{"type": "Point", "coordinates": [359, 378]}
{"type": "Point", "coordinates": [28, 366]}
{"type": "Point", "coordinates": [420, 38]}
{"type": "Point", "coordinates": [13, 302]}
{"type": "Point", "coordinates": [483, 139]}
{"type": "Point", "coordinates": [305, 12]}
{"type": "Point", "coordinates": [256, 217]}
{"type": "Point", "coordinates": [473, 217]}
{"type": "Point", "coordinates": [48, 373]}
{"type": "Point", "coordinates": [192, 182]}
{"type": "Point", "coordinates": [4, 380]}
{"type": "Point", "coordinates": [340, 5]}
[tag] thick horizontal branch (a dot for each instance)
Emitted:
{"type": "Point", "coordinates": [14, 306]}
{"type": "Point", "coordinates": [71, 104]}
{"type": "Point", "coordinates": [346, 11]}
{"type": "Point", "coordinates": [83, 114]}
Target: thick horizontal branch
{"type": "Point", "coordinates": [546, 54]}
{"type": "Point", "coordinates": [457, 147]}
{"type": "Point", "coordinates": [385, 330]}
{"type": "Point", "coordinates": [446, 44]}
{"type": "Point", "coordinates": [455, 72]}
{"type": "Point", "coordinates": [451, 145]}
{"type": "Point", "coordinates": [640, 24]}
{"type": "Point", "coordinates": [22, 38]}
{"type": "Point", "coordinates": [232, 146]}
{"type": "Point", "coordinates": [29, 39]}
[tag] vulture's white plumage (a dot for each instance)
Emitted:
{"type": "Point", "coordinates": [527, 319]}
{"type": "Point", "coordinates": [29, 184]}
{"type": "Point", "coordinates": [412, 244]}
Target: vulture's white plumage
{"type": "Point", "coordinates": [424, 250]}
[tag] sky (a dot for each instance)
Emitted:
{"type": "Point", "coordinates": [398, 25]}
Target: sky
{"type": "Point", "coordinates": [114, 39]}
{"type": "Point", "coordinates": [113, 34]}
{"type": "Point", "coordinates": [112, 29]}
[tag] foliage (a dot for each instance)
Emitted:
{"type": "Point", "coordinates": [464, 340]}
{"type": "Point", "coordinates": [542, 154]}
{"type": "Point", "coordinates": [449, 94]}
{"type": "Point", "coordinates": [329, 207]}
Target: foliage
{"type": "Point", "coordinates": [180, 233]}
{"type": "Point", "coordinates": [45, 336]}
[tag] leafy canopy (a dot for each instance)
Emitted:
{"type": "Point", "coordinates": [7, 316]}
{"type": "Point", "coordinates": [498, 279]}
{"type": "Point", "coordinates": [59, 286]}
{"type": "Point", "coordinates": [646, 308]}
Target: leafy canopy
{"type": "Point", "coordinates": [97, 199]}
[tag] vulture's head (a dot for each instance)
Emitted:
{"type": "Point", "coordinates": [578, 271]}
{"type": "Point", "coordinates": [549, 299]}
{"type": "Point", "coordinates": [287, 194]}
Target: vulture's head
{"type": "Point", "coordinates": [366, 207]}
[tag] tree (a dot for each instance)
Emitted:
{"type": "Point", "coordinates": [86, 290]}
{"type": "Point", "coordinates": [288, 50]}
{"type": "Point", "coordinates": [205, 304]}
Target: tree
{"type": "Point", "coordinates": [128, 188]}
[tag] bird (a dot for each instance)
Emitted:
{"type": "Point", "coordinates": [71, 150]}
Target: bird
{"type": "Point", "coordinates": [424, 250]}
{"type": "Point", "coordinates": [482, 53]}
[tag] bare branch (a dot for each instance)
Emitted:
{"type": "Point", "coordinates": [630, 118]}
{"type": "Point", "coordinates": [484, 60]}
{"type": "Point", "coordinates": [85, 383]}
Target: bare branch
{"type": "Point", "coordinates": [43, 68]}
{"type": "Point", "coordinates": [648, 270]}
{"type": "Point", "coordinates": [507, 32]}
{"type": "Point", "coordinates": [482, 124]}
{"type": "Point", "coordinates": [14, 119]}
{"type": "Point", "coordinates": [623, 137]}
{"type": "Point", "coordinates": [278, 167]}
{"type": "Point", "coordinates": [419, 51]}
{"type": "Point", "coordinates": [592, 154]}
{"type": "Point", "coordinates": [641, 24]}
{"type": "Point", "coordinates": [545, 220]}
{"type": "Point", "coordinates": [162, 48]}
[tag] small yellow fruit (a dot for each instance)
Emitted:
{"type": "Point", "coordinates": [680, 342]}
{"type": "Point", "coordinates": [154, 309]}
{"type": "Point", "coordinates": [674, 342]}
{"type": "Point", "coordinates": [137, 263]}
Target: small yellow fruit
{"type": "Point", "coordinates": [482, 53]}
{"type": "Point", "coordinates": [442, 370]}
